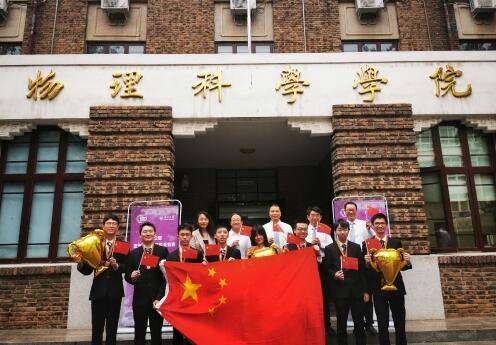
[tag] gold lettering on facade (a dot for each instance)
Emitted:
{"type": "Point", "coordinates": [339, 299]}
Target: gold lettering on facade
{"type": "Point", "coordinates": [291, 84]}
{"type": "Point", "coordinates": [447, 78]}
{"type": "Point", "coordinates": [130, 81]}
{"type": "Point", "coordinates": [209, 82]}
{"type": "Point", "coordinates": [44, 87]}
{"type": "Point", "coordinates": [368, 79]}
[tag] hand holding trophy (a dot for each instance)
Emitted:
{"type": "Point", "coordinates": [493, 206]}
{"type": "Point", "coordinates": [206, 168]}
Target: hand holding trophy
{"type": "Point", "coordinates": [89, 249]}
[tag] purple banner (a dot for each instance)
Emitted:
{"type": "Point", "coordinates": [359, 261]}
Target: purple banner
{"type": "Point", "coordinates": [366, 207]}
{"type": "Point", "coordinates": [166, 221]}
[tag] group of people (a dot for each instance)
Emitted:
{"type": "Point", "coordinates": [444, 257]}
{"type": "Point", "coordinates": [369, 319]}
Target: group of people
{"type": "Point", "coordinates": [352, 288]}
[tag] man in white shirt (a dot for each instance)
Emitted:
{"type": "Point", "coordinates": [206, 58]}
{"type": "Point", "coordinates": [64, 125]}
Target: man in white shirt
{"type": "Point", "coordinates": [236, 239]}
{"type": "Point", "coordinates": [359, 232]}
{"type": "Point", "coordinates": [277, 231]}
{"type": "Point", "coordinates": [322, 239]}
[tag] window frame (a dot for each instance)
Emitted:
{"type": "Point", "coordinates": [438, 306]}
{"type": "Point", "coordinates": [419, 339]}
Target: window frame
{"type": "Point", "coordinates": [235, 46]}
{"type": "Point", "coordinates": [473, 44]}
{"type": "Point", "coordinates": [361, 43]}
{"type": "Point", "coordinates": [469, 171]}
{"type": "Point", "coordinates": [29, 179]}
{"type": "Point", "coordinates": [6, 45]}
{"type": "Point", "coordinates": [107, 45]}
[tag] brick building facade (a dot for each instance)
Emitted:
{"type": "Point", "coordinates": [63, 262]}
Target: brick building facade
{"type": "Point", "coordinates": [143, 150]}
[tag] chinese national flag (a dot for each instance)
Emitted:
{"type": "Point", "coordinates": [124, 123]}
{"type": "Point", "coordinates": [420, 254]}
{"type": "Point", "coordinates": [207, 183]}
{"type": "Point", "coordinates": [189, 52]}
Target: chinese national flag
{"type": "Point", "coordinates": [275, 293]}
{"type": "Point", "coordinates": [121, 247]}
{"type": "Point", "coordinates": [211, 250]}
{"type": "Point", "coordinates": [189, 253]}
{"type": "Point", "coordinates": [276, 228]}
{"type": "Point", "coordinates": [349, 263]}
{"type": "Point", "coordinates": [149, 260]}
{"type": "Point", "coordinates": [292, 239]}
{"type": "Point", "coordinates": [326, 229]}
{"type": "Point", "coordinates": [373, 243]}
{"type": "Point", "coordinates": [246, 230]}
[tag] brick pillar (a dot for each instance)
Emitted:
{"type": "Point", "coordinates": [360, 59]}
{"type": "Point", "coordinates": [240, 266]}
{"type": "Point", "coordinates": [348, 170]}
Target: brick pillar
{"type": "Point", "coordinates": [130, 157]}
{"type": "Point", "coordinates": [373, 153]}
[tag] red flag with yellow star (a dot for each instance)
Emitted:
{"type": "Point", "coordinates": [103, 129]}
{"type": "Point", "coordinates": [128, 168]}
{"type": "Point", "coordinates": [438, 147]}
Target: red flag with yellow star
{"type": "Point", "coordinates": [263, 301]}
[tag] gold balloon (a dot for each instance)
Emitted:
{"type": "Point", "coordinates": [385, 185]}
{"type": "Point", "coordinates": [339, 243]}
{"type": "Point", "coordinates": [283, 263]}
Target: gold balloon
{"type": "Point", "coordinates": [389, 262]}
{"type": "Point", "coordinates": [91, 248]}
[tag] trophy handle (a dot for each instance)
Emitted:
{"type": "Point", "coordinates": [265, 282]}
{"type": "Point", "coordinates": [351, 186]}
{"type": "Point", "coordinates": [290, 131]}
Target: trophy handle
{"type": "Point", "coordinates": [72, 250]}
{"type": "Point", "coordinates": [403, 261]}
{"type": "Point", "coordinates": [372, 260]}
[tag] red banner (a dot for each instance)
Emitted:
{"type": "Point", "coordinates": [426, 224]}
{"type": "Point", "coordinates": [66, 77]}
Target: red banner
{"type": "Point", "coordinates": [273, 294]}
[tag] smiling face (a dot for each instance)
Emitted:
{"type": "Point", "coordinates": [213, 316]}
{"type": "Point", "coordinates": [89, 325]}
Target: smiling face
{"type": "Point", "coordinates": [350, 211]}
{"type": "Point", "coordinates": [236, 222]}
{"type": "Point", "coordinates": [203, 221]}
{"type": "Point", "coordinates": [147, 234]}
{"type": "Point", "coordinates": [380, 226]}
{"type": "Point", "coordinates": [259, 240]}
{"type": "Point", "coordinates": [110, 228]}
{"type": "Point", "coordinates": [221, 236]}
{"type": "Point", "coordinates": [301, 230]}
{"type": "Point", "coordinates": [184, 237]}
{"type": "Point", "coordinates": [314, 218]}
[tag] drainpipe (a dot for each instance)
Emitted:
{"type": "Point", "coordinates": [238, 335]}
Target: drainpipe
{"type": "Point", "coordinates": [304, 26]}
{"type": "Point", "coordinates": [54, 24]}
{"type": "Point", "coordinates": [428, 28]}
{"type": "Point", "coordinates": [248, 24]}
{"type": "Point", "coordinates": [448, 26]}
{"type": "Point", "coordinates": [33, 24]}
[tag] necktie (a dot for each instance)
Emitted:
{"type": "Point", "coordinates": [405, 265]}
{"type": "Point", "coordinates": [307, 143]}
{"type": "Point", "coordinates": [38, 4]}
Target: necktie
{"type": "Point", "coordinates": [351, 236]}
{"type": "Point", "coordinates": [383, 243]}
{"type": "Point", "coordinates": [109, 248]}
{"type": "Point", "coordinates": [222, 253]}
{"type": "Point", "coordinates": [148, 250]}
{"type": "Point", "coordinates": [344, 247]}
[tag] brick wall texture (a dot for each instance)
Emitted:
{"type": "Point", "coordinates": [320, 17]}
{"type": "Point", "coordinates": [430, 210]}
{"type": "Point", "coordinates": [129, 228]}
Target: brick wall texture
{"type": "Point", "coordinates": [34, 297]}
{"type": "Point", "coordinates": [469, 285]}
{"type": "Point", "coordinates": [373, 153]}
{"type": "Point", "coordinates": [130, 157]}
{"type": "Point", "coordinates": [187, 26]}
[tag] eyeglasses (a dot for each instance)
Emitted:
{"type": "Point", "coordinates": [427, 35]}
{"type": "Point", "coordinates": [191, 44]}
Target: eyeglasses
{"type": "Point", "coordinates": [302, 229]}
{"type": "Point", "coordinates": [111, 223]}
{"type": "Point", "coordinates": [381, 223]}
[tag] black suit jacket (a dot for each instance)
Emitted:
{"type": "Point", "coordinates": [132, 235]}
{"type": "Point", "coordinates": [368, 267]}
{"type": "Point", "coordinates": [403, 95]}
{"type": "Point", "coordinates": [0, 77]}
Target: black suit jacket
{"type": "Point", "coordinates": [374, 278]}
{"type": "Point", "coordinates": [354, 283]}
{"type": "Point", "coordinates": [107, 284]}
{"type": "Point", "coordinates": [231, 253]}
{"type": "Point", "coordinates": [147, 286]}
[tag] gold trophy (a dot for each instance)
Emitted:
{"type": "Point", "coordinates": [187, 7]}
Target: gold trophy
{"type": "Point", "coordinates": [91, 248]}
{"type": "Point", "coordinates": [389, 263]}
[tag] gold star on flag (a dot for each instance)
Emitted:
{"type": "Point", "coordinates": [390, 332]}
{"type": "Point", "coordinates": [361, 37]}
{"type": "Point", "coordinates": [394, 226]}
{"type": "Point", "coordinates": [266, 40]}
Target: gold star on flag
{"type": "Point", "coordinates": [222, 300]}
{"type": "Point", "coordinates": [211, 272]}
{"type": "Point", "coordinates": [222, 282]}
{"type": "Point", "coordinates": [211, 311]}
{"type": "Point", "coordinates": [190, 289]}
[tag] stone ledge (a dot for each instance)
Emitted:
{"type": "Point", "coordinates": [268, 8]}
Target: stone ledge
{"type": "Point", "coordinates": [25, 270]}
{"type": "Point", "coordinates": [467, 259]}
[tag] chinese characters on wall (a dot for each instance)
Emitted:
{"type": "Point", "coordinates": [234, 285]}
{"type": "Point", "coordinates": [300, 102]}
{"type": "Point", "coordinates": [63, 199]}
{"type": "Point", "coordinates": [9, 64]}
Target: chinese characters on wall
{"type": "Point", "coordinates": [290, 84]}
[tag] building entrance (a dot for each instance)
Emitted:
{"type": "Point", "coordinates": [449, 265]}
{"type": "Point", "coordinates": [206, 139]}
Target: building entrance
{"type": "Point", "coordinates": [245, 165]}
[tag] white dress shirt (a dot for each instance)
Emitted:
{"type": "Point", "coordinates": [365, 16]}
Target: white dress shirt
{"type": "Point", "coordinates": [244, 242]}
{"type": "Point", "coordinates": [359, 232]}
{"type": "Point", "coordinates": [280, 238]}
{"type": "Point", "coordinates": [325, 239]}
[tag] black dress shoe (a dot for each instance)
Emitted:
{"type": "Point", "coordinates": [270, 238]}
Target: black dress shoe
{"type": "Point", "coordinates": [370, 330]}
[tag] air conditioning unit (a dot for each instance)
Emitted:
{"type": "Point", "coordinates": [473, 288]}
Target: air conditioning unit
{"type": "Point", "coordinates": [240, 6]}
{"type": "Point", "coordinates": [3, 9]}
{"type": "Point", "coordinates": [482, 6]}
{"type": "Point", "coordinates": [115, 6]}
{"type": "Point", "coordinates": [368, 6]}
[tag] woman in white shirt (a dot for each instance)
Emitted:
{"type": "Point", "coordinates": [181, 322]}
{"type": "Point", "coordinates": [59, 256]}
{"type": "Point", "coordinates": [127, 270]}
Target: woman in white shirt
{"type": "Point", "coordinates": [204, 233]}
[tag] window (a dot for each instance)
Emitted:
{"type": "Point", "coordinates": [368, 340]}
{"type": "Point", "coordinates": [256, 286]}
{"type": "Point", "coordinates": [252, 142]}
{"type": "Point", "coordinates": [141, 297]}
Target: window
{"type": "Point", "coordinates": [477, 45]}
{"type": "Point", "coordinates": [369, 46]}
{"type": "Point", "coordinates": [242, 47]}
{"type": "Point", "coordinates": [458, 172]}
{"type": "Point", "coordinates": [115, 48]}
{"type": "Point", "coordinates": [41, 194]}
{"type": "Point", "coordinates": [10, 48]}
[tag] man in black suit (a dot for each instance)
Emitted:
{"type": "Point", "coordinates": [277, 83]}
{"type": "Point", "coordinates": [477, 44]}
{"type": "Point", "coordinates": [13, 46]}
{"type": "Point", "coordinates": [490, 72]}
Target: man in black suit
{"type": "Point", "coordinates": [347, 284]}
{"type": "Point", "coordinates": [147, 282]}
{"type": "Point", "coordinates": [226, 253]}
{"type": "Point", "coordinates": [385, 300]}
{"type": "Point", "coordinates": [106, 291]}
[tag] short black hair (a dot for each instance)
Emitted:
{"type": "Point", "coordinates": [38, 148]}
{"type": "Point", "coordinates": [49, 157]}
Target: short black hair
{"type": "Point", "coordinates": [219, 226]}
{"type": "Point", "coordinates": [112, 216]}
{"type": "Point", "coordinates": [350, 203]}
{"type": "Point", "coordinates": [299, 220]}
{"type": "Point", "coordinates": [379, 216]}
{"type": "Point", "coordinates": [185, 226]}
{"type": "Point", "coordinates": [315, 209]}
{"type": "Point", "coordinates": [342, 223]}
{"type": "Point", "coordinates": [147, 224]}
